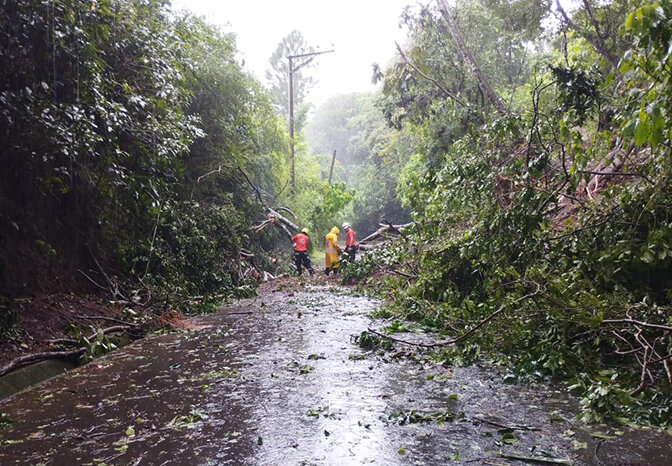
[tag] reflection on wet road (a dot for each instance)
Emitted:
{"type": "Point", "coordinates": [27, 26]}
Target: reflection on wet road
{"type": "Point", "coordinates": [277, 380]}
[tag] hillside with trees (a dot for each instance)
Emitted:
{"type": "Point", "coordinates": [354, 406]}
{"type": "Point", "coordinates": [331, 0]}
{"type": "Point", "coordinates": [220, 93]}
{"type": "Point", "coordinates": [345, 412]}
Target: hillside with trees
{"type": "Point", "coordinates": [540, 189]}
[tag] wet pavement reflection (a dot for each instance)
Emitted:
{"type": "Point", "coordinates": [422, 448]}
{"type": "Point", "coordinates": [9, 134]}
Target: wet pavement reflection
{"type": "Point", "coordinates": [279, 380]}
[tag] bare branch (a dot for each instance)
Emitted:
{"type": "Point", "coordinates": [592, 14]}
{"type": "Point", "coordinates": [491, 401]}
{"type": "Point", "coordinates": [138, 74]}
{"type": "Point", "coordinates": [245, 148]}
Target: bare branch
{"type": "Point", "coordinates": [218, 170]}
{"type": "Point", "coordinates": [384, 228]}
{"type": "Point", "coordinates": [273, 213]}
{"type": "Point", "coordinates": [253, 186]}
{"type": "Point", "coordinates": [287, 232]}
{"type": "Point", "coordinates": [445, 91]}
{"type": "Point", "coordinates": [284, 220]}
{"type": "Point", "coordinates": [393, 228]}
{"type": "Point", "coordinates": [93, 281]}
{"type": "Point", "coordinates": [637, 322]}
{"type": "Point", "coordinates": [596, 42]}
{"type": "Point", "coordinates": [288, 210]}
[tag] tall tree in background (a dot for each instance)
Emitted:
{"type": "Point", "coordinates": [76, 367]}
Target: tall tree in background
{"type": "Point", "coordinates": [328, 129]}
{"type": "Point", "coordinates": [278, 76]}
{"type": "Point", "coordinates": [467, 57]}
{"type": "Point", "coordinates": [598, 24]}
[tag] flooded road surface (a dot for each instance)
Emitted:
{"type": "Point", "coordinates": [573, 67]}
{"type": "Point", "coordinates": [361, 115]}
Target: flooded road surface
{"type": "Point", "coordinates": [278, 380]}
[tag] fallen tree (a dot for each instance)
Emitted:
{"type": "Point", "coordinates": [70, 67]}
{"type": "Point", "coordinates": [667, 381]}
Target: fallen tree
{"type": "Point", "coordinates": [63, 354]}
{"type": "Point", "coordinates": [387, 231]}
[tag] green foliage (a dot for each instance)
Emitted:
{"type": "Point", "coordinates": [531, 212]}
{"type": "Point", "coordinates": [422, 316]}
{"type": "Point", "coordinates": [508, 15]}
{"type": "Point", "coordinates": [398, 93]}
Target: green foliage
{"type": "Point", "coordinates": [322, 204]}
{"type": "Point", "coordinates": [188, 421]}
{"type": "Point", "coordinates": [92, 103]}
{"type": "Point", "coordinates": [371, 262]}
{"type": "Point", "coordinates": [128, 126]}
{"type": "Point", "coordinates": [602, 398]}
{"type": "Point", "coordinates": [578, 91]}
{"type": "Point", "coordinates": [5, 421]}
{"type": "Point", "coordinates": [415, 417]}
{"type": "Point", "coordinates": [94, 348]}
{"type": "Point", "coordinates": [369, 157]}
{"type": "Point", "coordinates": [370, 341]}
{"type": "Point", "coordinates": [333, 200]}
{"type": "Point", "coordinates": [194, 249]}
{"type": "Point", "coordinates": [548, 229]}
{"type": "Point", "coordinates": [461, 356]}
{"type": "Point", "coordinates": [648, 61]}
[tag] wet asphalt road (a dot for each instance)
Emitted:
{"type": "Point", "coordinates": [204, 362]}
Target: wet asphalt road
{"type": "Point", "coordinates": [279, 380]}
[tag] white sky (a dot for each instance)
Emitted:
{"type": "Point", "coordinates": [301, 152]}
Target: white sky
{"type": "Point", "coordinates": [360, 31]}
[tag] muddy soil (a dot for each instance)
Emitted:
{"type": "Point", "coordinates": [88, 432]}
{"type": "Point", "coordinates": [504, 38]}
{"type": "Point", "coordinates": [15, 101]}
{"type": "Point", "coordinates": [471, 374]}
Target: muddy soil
{"type": "Point", "coordinates": [43, 318]}
{"type": "Point", "coordinates": [278, 380]}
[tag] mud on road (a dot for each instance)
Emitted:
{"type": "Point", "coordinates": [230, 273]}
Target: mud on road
{"type": "Point", "coordinates": [279, 380]}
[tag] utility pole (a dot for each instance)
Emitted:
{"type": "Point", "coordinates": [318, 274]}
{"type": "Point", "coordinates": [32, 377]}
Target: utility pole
{"type": "Point", "coordinates": [331, 170]}
{"type": "Point", "coordinates": [292, 69]}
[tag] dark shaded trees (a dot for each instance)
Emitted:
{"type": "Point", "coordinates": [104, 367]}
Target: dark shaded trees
{"type": "Point", "coordinates": [111, 113]}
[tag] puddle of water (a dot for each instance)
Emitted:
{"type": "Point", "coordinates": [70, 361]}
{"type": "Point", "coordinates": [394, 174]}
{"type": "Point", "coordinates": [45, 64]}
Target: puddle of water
{"type": "Point", "coordinates": [31, 375]}
{"type": "Point", "coordinates": [35, 373]}
{"type": "Point", "coordinates": [279, 381]}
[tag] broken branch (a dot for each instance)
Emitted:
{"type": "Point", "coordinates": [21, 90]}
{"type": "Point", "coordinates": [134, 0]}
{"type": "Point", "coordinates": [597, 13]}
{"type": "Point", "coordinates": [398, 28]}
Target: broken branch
{"type": "Point", "coordinates": [637, 322]}
{"type": "Point", "coordinates": [23, 360]}
{"type": "Point", "coordinates": [437, 344]}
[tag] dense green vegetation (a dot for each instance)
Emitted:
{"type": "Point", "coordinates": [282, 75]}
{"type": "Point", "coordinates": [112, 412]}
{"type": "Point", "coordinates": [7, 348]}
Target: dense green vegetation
{"type": "Point", "coordinates": [543, 226]}
{"type": "Point", "coordinates": [111, 113]}
{"type": "Point", "coordinates": [135, 152]}
{"type": "Point", "coordinates": [531, 146]}
{"type": "Point", "coordinates": [370, 157]}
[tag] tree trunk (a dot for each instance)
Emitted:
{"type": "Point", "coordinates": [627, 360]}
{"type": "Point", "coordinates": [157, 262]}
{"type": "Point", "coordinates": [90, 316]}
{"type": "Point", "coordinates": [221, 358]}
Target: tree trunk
{"type": "Point", "coordinates": [596, 40]}
{"type": "Point", "coordinates": [331, 170]}
{"type": "Point", "coordinates": [468, 58]}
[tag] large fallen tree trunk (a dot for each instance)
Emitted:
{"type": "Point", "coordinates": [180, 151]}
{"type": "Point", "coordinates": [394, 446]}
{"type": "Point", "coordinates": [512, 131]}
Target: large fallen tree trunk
{"type": "Point", "coordinates": [387, 231]}
{"type": "Point", "coordinates": [273, 216]}
{"type": "Point", "coordinates": [23, 360]}
{"type": "Point", "coordinates": [275, 219]}
{"type": "Point", "coordinates": [70, 354]}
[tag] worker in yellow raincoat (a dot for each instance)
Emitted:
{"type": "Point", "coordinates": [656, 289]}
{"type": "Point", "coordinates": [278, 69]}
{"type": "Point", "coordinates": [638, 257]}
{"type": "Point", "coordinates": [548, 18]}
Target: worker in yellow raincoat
{"type": "Point", "coordinates": [331, 251]}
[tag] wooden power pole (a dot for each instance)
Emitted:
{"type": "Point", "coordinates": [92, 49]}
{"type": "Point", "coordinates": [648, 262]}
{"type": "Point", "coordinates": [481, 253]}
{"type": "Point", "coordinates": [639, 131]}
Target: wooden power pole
{"type": "Point", "coordinates": [331, 170]}
{"type": "Point", "coordinates": [292, 69]}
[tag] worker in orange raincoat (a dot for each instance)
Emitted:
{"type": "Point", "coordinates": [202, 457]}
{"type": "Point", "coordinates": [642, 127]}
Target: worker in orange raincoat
{"type": "Point", "coordinates": [301, 258]}
{"type": "Point", "coordinates": [331, 251]}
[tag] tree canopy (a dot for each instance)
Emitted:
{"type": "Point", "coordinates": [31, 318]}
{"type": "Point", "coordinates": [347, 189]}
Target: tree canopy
{"type": "Point", "coordinates": [112, 113]}
{"type": "Point", "coordinates": [539, 185]}
{"type": "Point", "coordinates": [278, 76]}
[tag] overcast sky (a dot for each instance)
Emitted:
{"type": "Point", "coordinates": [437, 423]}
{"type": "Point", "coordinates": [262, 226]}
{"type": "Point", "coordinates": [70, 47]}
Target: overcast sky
{"type": "Point", "coordinates": [360, 31]}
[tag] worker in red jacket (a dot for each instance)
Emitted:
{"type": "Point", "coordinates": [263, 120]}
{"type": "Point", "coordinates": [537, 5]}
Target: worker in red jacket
{"type": "Point", "coordinates": [350, 244]}
{"type": "Point", "coordinates": [301, 258]}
